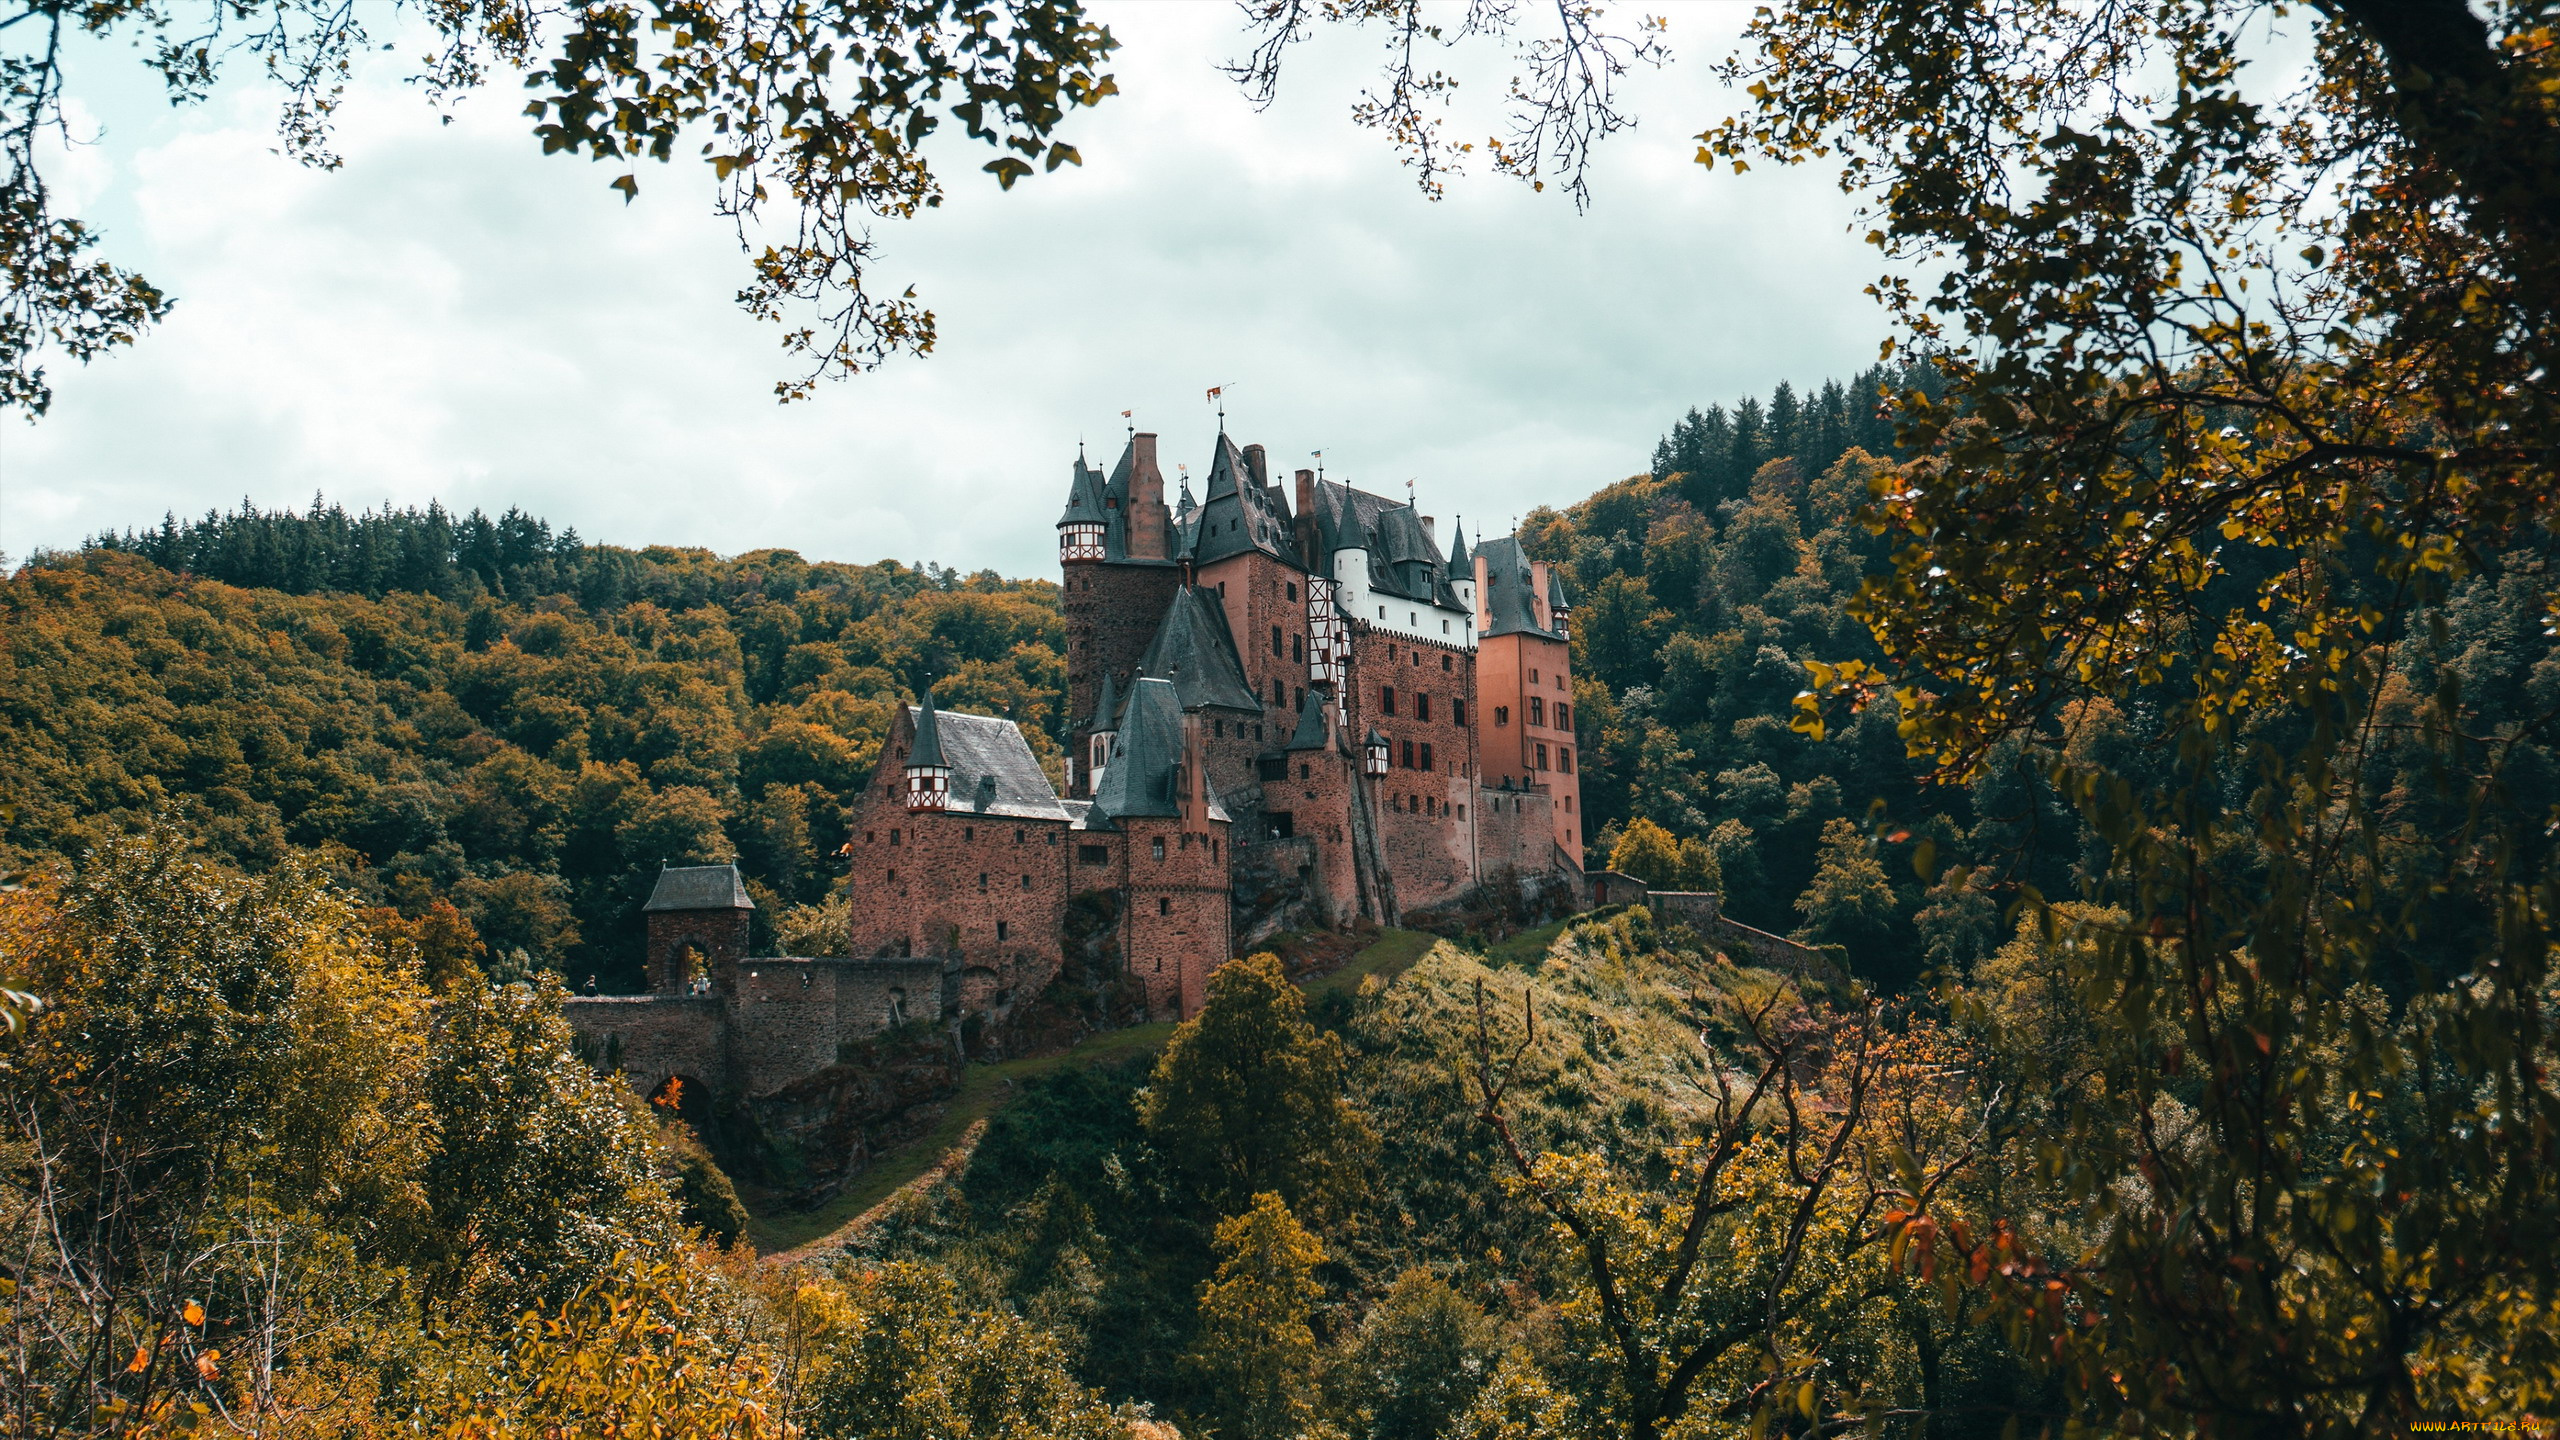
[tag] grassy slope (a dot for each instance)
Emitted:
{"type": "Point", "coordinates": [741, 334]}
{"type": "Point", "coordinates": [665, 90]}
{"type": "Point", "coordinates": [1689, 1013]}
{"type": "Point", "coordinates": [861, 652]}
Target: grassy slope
{"type": "Point", "coordinates": [985, 1088]}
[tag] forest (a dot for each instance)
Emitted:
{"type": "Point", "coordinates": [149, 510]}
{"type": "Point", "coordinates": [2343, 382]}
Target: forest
{"type": "Point", "coordinates": [315, 818]}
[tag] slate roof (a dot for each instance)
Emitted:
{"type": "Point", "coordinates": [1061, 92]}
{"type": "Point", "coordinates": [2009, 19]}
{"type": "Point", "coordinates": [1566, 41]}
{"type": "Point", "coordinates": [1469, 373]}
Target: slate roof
{"type": "Point", "coordinates": [1310, 734]}
{"type": "Point", "coordinates": [1509, 590]}
{"type": "Point", "coordinates": [993, 771]}
{"type": "Point", "coordinates": [1242, 514]}
{"type": "Point", "coordinates": [1403, 561]}
{"type": "Point", "coordinates": [928, 747]}
{"type": "Point", "coordinates": [1194, 651]}
{"type": "Point", "coordinates": [700, 887]}
{"type": "Point", "coordinates": [1461, 565]}
{"type": "Point", "coordinates": [1106, 705]}
{"type": "Point", "coordinates": [1139, 779]}
{"type": "Point", "coordinates": [1084, 496]}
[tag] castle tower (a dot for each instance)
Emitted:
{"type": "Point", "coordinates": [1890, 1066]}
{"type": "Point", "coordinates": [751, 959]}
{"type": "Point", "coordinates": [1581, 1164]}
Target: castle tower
{"type": "Point", "coordinates": [1116, 542]}
{"type": "Point", "coordinates": [1525, 688]}
{"type": "Point", "coordinates": [698, 917]}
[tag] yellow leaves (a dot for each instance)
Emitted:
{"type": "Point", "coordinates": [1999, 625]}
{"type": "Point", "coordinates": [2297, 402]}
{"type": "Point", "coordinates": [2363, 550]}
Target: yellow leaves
{"type": "Point", "coordinates": [194, 1313]}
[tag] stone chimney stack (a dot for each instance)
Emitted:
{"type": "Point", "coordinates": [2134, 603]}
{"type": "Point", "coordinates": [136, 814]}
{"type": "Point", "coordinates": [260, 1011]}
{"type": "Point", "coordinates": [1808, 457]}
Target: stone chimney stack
{"type": "Point", "coordinates": [1150, 523]}
{"type": "Point", "coordinates": [1430, 530]}
{"type": "Point", "coordinates": [1257, 466]}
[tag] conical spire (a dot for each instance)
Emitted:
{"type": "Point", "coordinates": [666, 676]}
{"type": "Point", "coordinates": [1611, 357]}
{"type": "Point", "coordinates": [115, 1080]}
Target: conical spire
{"type": "Point", "coordinates": [1461, 566]}
{"type": "Point", "coordinates": [928, 749]}
{"type": "Point", "coordinates": [1106, 706]}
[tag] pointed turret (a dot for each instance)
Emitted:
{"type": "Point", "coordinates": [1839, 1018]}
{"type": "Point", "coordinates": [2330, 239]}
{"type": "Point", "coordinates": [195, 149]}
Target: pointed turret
{"type": "Point", "coordinates": [1313, 733]}
{"type": "Point", "coordinates": [1461, 567]}
{"type": "Point", "coordinates": [928, 774]}
{"type": "Point", "coordinates": [1105, 724]}
{"type": "Point", "coordinates": [1082, 524]}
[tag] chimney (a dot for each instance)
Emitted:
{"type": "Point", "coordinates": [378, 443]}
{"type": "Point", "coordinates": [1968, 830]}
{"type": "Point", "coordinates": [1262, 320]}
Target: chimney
{"type": "Point", "coordinates": [1149, 521]}
{"type": "Point", "coordinates": [1306, 520]}
{"type": "Point", "coordinates": [1257, 467]}
{"type": "Point", "coordinates": [1428, 531]}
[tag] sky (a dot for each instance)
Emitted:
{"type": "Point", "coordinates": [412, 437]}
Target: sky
{"type": "Point", "coordinates": [453, 316]}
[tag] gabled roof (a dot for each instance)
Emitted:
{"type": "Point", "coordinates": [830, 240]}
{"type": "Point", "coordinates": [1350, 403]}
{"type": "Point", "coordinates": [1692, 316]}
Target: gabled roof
{"type": "Point", "coordinates": [1194, 651]}
{"type": "Point", "coordinates": [699, 887]}
{"type": "Point", "coordinates": [1509, 590]}
{"type": "Point", "coordinates": [1241, 514]}
{"type": "Point", "coordinates": [1144, 754]}
{"type": "Point", "coordinates": [1311, 731]}
{"type": "Point", "coordinates": [993, 771]}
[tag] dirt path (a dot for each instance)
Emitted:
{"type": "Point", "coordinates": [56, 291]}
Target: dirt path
{"type": "Point", "coordinates": [944, 1150]}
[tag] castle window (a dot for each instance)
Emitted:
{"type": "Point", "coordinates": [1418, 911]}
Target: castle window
{"type": "Point", "coordinates": [893, 877]}
{"type": "Point", "coordinates": [1445, 662]}
{"type": "Point", "coordinates": [1222, 729]}
{"type": "Point", "coordinates": [1164, 906]}
{"type": "Point", "coordinates": [1382, 613]}
{"type": "Point", "coordinates": [1421, 707]}
{"type": "Point", "coordinates": [968, 832]}
{"type": "Point", "coordinates": [1426, 754]}
{"type": "Point", "coordinates": [1542, 757]}
{"type": "Point", "coordinates": [1026, 882]}
{"type": "Point", "coordinates": [1257, 725]}
{"type": "Point", "coordinates": [1279, 692]}
{"type": "Point", "coordinates": [1275, 642]}
{"type": "Point", "coordinates": [1297, 647]}
{"type": "Point", "coordinates": [893, 837]}
{"type": "Point", "coordinates": [1564, 760]}
{"type": "Point", "coordinates": [1020, 835]}
{"type": "Point", "coordinates": [1458, 713]}
{"type": "Point", "coordinates": [1053, 837]}
{"type": "Point", "coordinates": [1001, 929]}
{"type": "Point", "coordinates": [1093, 854]}
{"type": "Point", "coordinates": [1533, 677]}
{"type": "Point", "coordinates": [1462, 814]}
{"type": "Point", "coordinates": [1155, 848]}
{"type": "Point", "coordinates": [1213, 847]}
{"type": "Point", "coordinates": [1564, 716]}
{"type": "Point", "coordinates": [1444, 629]}
{"type": "Point", "coordinates": [868, 836]}
{"type": "Point", "coordinates": [1408, 754]}
{"type": "Point", "coordinates": [804, 979]}
{"type": "Point", "coordinates": [1568, 804]}
{"type": "Point", "coordinates": [1501, 715]}
{"type": "Point", "coordinates": [1293, 589]}
{"type": "Point", "coordinates": [1537, 711]}
{"type": "Point", "coordinates": [1303, 772]}
{"type": "Point", "coordinates": [1222, 589]}
{"type": "Point", "coordinates": [1386, 699]}
{"type": "Point", "coordinates": [982, 879]}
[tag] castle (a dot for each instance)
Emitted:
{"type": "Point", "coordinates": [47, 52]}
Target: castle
{"type": "Point", "coordinates": [1288, 708]}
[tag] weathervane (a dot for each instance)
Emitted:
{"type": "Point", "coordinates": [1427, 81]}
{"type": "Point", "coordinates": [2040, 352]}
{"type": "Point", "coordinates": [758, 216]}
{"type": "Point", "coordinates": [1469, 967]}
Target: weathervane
{"type": "Point", "coordinates": [1133, 425]}
{"type": "Point", "coordinates": [1217, 397]}
{"type": "Point", "coordinates": [1319, 455]}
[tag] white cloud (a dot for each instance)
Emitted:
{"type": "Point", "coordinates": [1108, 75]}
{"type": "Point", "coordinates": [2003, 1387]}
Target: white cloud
{"type": "Point", "coordinates": [454, 316]}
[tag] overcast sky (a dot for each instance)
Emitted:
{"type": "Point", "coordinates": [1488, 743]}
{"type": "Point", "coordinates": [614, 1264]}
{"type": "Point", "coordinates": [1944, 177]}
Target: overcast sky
{"type": "Point", "coordinates": [454, 316]}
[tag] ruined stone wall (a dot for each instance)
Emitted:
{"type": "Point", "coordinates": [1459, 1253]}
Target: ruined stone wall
{"type": "Point", "coordinates": [652, 1037]}
{"type": "Point", "coordinates": [872, 995]}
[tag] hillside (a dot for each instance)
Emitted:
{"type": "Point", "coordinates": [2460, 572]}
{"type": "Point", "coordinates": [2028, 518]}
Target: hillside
{"type": "Point", "coordinates": [531, 759]}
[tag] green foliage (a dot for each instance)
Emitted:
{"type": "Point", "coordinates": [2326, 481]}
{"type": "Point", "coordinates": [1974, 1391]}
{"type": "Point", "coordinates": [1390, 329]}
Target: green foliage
{"type": "Point", "coordinates": [1420, 1357]}
{"type": "Point", "coordinates": [533, 778]}
{"type": "Point", "coordinates": [1247, 1098]}
{"type": "Point", "coordinates": [898, 1355]}
{"type": "Point", "coordinates": [1255, 1353]}
{"type": "Point", "coordinates": [866, 86]}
